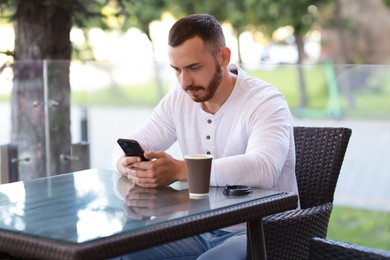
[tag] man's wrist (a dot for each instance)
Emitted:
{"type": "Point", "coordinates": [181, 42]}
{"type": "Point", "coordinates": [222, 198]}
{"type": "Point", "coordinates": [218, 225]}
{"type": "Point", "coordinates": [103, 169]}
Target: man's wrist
{"type": "Point", "coordinates": [182, 175]}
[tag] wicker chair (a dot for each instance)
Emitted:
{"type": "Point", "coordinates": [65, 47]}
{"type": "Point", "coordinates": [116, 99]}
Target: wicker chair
{"type": "Point", "coordinates": [322, 249]}
{"type": "Point", "coordinates": [319, 155]}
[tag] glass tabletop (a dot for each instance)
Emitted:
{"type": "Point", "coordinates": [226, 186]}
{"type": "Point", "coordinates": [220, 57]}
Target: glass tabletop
{"type": "Point", "coordinates": [87, 205]}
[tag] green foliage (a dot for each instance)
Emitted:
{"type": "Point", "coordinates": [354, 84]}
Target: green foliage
{"type": "Point", "coordinates": [362, 227]}
{"type": "Point", "coordinates": [85, 13]}
{"type": "Point", "coordinates": [123, 14]}
{"type": "Point", "coordinates": [185, 7]}
{"type": "Point", "coordinates": [141, 13]}
{"type": "Point", "coordinates": [6, 10]}
{"type": "Point", "coordinates": [300, 14]}
{"type": "Point", "coordinates": [103, 14]}
{"type": "Point", "coordinates": [386, 2]}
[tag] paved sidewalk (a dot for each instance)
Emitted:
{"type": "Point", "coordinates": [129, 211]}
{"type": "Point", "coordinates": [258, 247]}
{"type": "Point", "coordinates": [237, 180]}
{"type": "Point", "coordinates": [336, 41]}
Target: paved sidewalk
{"type": "Point", "coordinates": [365, 175]}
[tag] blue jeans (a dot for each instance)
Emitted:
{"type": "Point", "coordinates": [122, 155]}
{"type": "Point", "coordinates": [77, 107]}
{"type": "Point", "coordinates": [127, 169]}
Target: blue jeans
{"type": "Point", "coordinates": [213, 245]}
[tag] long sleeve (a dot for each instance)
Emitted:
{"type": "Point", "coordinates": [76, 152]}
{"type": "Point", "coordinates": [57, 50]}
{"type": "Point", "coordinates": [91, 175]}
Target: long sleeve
{"type": "Point", "coordinates": [250, 137]}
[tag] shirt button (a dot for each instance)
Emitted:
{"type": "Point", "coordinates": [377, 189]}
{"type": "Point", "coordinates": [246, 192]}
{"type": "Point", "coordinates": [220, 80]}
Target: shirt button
{"type": "Point", "coordinates": [208, 137]}
{"type": "Point", "coordinates": [209, 121]}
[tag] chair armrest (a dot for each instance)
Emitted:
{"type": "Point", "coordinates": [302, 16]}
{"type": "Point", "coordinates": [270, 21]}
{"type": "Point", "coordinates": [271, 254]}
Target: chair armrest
{"type": "Point", "coordinates": [329, 249]}
{"type": "Point", "coordinates": [288, 234]}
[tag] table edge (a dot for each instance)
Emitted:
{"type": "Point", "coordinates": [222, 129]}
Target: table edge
{"type": "Point", "coordinates": [43, 248]}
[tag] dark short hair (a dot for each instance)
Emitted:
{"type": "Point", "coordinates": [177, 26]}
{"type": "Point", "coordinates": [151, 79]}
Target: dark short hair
{"type": "Point", "coordinates": [204, 26]}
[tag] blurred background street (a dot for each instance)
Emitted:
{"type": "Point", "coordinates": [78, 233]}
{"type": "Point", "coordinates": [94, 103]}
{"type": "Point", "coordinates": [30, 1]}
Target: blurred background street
{"type": "Point", "coordinates": [365, 174]}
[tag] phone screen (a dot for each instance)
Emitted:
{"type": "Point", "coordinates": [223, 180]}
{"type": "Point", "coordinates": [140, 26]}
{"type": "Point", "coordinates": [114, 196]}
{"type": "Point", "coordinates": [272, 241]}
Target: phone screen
{"type": "Point", "coordinates": [132, 148]}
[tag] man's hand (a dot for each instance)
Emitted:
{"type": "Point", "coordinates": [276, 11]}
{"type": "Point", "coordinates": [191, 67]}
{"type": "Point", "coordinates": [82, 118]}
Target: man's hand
{"type": "Point", "coordinates": [161, 170]}
{"type": "Point", "coordinates": [124, 164]}
{"type": "Point", "coordinates": [143, 203]}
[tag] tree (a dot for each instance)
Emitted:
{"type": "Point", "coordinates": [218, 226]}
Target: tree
{"type": "Point", "coordinates": [233, 12]}
{"type": "Point", "coordinates": [41, 89]}
{"type": "Point", "coordinates": [353, 35]}
{"type": "Point", "coordinates": [266, 16]}
{"type": "Point", "coordinates": [40, 113]}
{"type": "Point", "coordinates": [230, 11]}
{"type": "Point", "coordinates": [41, 93]}
{"type": "Point", "coordinates": [300, 15]}
{"type": "Point", "coordinates": [140, 14]}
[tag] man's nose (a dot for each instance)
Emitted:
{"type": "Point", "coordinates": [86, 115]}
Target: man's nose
{"type": "Point", "coordinates": [185, 79]}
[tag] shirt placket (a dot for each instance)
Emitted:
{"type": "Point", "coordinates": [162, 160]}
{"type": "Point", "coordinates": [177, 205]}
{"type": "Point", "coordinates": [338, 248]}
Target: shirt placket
{"type": "Point", "coordinates": [209, 136]}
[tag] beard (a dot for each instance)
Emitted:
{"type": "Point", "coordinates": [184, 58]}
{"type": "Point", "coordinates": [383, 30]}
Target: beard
{"type": "Point", "coordinates": [211, 87]}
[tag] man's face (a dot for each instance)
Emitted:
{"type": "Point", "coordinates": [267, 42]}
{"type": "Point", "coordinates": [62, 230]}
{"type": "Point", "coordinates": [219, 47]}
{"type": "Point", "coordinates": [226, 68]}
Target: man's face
{"type": "Point", "coordinates": [198, 72]}
{"type": "Point", "coordinates": [201, 93]}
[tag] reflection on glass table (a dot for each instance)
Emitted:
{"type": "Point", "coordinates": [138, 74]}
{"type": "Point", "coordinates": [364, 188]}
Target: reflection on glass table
{"type": "Point", "coordinates": [97, 213]}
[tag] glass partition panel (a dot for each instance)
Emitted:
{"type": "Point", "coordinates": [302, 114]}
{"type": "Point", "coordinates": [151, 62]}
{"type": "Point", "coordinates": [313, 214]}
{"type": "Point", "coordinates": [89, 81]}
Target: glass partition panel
{"type": "Point", "coordinates": [38, 105]}
{"type": "Point", "coordinates": [115, 98]}
{"type": "Point", "coordinates": [107, 100]}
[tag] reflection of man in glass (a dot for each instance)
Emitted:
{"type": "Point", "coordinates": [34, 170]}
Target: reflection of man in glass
{"type": "Point", "coordinates": [150, 204]}
{"type": "Point", "coordinates": [244, 122]}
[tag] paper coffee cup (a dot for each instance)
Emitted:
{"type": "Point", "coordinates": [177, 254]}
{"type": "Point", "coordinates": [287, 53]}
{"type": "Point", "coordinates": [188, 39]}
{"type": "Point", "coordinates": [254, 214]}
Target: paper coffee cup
{"type": "Point", "coordinates": [198, 168]}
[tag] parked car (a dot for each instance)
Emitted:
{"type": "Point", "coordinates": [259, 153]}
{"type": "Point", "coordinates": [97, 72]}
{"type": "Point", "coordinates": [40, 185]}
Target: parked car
{"type": "Point", "coordinates": [286, 52]}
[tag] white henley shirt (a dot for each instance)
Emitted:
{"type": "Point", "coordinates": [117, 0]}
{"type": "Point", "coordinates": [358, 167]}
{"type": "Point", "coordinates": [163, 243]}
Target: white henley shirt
{"type": "Point", "coordinates": [250, 137]}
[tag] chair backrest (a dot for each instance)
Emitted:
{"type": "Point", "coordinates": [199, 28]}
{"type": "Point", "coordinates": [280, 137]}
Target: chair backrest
{"type": "Point", "coordinates": [322, 249]}
{"type": "Point", "coordinates": [319, 155]}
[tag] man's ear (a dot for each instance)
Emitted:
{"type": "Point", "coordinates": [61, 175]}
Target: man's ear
{"type": "Point", "coordinates": [224, 56]}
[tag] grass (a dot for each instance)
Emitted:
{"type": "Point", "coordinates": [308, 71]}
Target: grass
{"type": "Point", "coordinates": [145, 95]}
{"type": "Point", "coordinates": [285, 78]}
{"type": "Point", "coordinates": [362, 227]}
{"type": "Point", "coordinates": [370, 98]}
{"type": "Point", "coordinates": [370, 101]}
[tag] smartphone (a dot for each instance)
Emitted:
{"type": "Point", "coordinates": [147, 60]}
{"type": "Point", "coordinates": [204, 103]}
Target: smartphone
{"type": "Point", "coordinates": [132, 148]}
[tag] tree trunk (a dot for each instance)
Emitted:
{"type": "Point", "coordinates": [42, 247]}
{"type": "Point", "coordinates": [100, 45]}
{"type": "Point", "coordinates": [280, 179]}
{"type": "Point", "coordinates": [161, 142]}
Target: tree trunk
{"type": "Point", "coordinates": [157, 69]}
{"type": "Point", "coordinates": [340, 32]}
{"type": "Point", "coordinates": [238, 33]}
{"type": "Point", "coordinates": [301, 76]}
{"type": "Point", "coordinates": [41, 89]}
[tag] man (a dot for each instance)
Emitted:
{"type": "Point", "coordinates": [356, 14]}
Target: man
{"type": "Point", "coordinates": [245, 123]}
